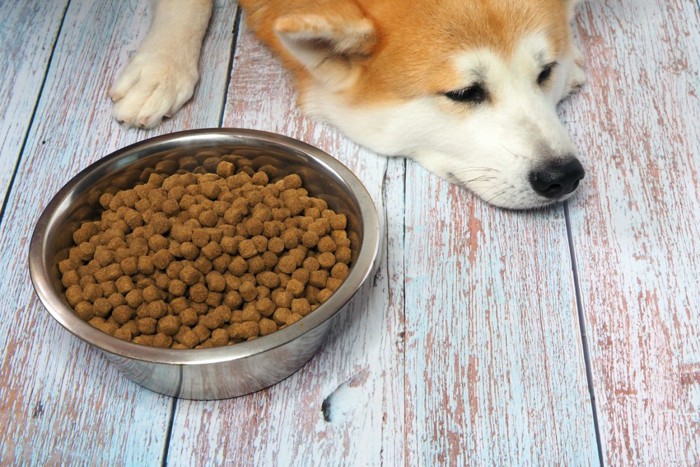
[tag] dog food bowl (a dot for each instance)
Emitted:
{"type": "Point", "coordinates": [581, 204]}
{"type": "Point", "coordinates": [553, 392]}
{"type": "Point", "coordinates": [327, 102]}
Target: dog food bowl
{"type": "Point", "coordinates": [221, 372]}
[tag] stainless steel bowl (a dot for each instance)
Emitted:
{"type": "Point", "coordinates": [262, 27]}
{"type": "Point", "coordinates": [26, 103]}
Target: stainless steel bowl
{"type": "Point", "coordinates": [222, 372]}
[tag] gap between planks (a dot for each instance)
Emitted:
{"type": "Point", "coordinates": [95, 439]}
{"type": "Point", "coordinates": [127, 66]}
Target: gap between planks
{"type": "Point", "coordinates": [15, 169]}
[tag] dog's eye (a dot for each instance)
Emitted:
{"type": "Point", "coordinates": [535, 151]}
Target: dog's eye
{"type": "Point", "coordinates": [474, 94]}
{"type": "Point", "coordinates": [546, 73]}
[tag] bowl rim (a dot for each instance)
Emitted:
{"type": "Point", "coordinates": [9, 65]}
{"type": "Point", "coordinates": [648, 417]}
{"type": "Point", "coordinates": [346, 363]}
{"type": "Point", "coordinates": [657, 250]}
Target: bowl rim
{"type": "Point", "coordinates": [367, 258]}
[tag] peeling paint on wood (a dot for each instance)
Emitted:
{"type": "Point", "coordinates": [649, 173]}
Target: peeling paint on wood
{"type": "Point", "coordinates": [635, 225]}
{"type": "Point", "coordinates": [60, 401]}
{"type": "Point", "coordinates": [466, 347]}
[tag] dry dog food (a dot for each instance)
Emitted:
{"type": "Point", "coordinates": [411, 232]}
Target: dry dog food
{"type": "Point", "coordinates": [198, 259]}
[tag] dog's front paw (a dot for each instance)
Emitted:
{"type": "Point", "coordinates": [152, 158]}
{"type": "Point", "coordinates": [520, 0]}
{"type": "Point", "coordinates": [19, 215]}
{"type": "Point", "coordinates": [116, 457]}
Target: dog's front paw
{"type": "Point", "coordinates": [153, 85]}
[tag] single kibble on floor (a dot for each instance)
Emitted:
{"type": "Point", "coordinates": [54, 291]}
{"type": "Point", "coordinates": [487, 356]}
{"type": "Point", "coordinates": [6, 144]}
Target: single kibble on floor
{"type": "Point", "coordinates": [197, 259]}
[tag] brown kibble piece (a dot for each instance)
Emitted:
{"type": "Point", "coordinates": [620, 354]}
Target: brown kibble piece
{"type": "Point", "coordinates": [219, 337]}
{"type": "Point", "coordinates": [190, 275]}
{"type": "Point", "coordinates": [123, 334]}
{"type": "Point", "coordinates": [200, 237]}
{"type": "Point", "coordinates": [122, 314]}
{"type": "Point", "coordinates": [162, 340]}
{"type": "Point", "coordinates": [169, 325]}
{"type": "Point", "coordinates": [202, 332]}
{"type": "Point", "coordinates": [101, 307]}
{"type": "Point", "coordinates": [147, 325]}
{"type": "Point", "coordinates": [326, 244]}
{"type": "Point", "coordinates": [189, 317]}
{"type": "Point", "coordinates": [275, 245]}
{"type": "Point", "coordinates": [225, 169]}
{"type": "Point", "coordinates": [326, 260]}
{"type": "Point", "coordinates": [215, 281]}
{"type": "Point", "coordinates": [244, 330]}
{"type": "Point", "coordinates": [187, 337]}
{"type": "Point", "coordinates": [301, 306]}
{"type": "Point", "coordinates": [295, 287]}
{"type": "Point", "coordinates": [247, 249]}
{"type": "Point", "coordinates": [311, 264]}
{"type": "Point", "coordinates": [324, 295]}
{"type": "Point", "coordinates": [343, 255]}
{"type": "Point", "coordinates": [248, 291]}
{"type": "Point", "coordinates": [318, 278]}
{"type": "Point", "coordinates": [198, 293]}
{"type": "Point", "coordinates": [84, 310]}
{"type": "Point", "coordinates": [287, 264]}
{"type": "Point", "coordinates": [212, 250]}
{"type": "Point", "coordinates": [151, 293]}
{"type": "Point", "coordinates": [333, 283]}
{"type": "Point", "coordinates": [267, 326]}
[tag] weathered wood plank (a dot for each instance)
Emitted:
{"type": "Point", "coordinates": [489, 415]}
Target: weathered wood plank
{"type": "Point", "coordinates": [60, 402]}
{"type": "Point", "coordinates": [27, 34]}
{"type": "Point", "coordinates": [358, 372]}
{"type": "Point", "coordinates": [494, 367]}
{"type": "Point", "coordinates": [635, 225]}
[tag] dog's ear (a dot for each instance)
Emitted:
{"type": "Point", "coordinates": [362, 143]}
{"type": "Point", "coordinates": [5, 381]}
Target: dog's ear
{"type": "Point", "coordinates": [329, 47]}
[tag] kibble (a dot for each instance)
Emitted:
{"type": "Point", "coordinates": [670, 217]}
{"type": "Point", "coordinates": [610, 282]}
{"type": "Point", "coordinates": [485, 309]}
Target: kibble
{"type": "Point", "coordinates": [205, 256]}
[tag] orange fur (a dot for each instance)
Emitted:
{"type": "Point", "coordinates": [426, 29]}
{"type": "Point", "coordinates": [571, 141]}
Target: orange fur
{"type": "Point", "coordinates": [415, 39]}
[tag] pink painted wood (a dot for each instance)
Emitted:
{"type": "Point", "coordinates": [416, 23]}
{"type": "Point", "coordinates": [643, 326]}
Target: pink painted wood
{"type": "Point", "coordinates": [60, 402]}
{"type": "Point", "coordinates": [635, 225]}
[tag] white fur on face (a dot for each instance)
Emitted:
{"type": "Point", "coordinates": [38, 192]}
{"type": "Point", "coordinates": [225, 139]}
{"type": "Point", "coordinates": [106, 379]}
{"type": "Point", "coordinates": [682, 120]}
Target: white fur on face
{"type": "Point", "coordinates": [491, 147]}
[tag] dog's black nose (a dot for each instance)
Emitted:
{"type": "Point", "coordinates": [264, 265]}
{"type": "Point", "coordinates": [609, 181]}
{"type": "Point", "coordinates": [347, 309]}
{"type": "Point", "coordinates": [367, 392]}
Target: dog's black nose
{"type": "Point", "coordinates": [557, 178]}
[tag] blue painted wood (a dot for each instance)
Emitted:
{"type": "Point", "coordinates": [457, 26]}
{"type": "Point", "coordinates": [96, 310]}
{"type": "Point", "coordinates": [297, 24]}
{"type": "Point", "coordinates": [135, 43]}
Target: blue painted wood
{"type": "Point", "coordinates": [60, 402]}
{"type": "Point", "coordinates": [467, 346]}
{"type": "Point", "coordinates": [28, 30]}
{"type": "Point", "coordinates": [494, 367]}
{"type": "Point", "coordinates": [636, 223]}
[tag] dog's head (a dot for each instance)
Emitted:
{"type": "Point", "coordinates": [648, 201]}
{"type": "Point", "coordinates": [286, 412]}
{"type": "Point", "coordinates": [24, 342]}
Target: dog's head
{"type": "Point", "coordinates": [468, 88]}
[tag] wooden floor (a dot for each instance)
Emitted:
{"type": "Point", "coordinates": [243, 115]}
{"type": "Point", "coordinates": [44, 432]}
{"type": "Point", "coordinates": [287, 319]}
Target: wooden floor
{"type": "Point", "coordinates": [569, 335]}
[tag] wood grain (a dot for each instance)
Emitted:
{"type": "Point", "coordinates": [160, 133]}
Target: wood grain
{"type": "Point", "coordinates": [466, 347]}
{"type": "Point", "coordinates": [28, 31]}
{"type": "Point", "coordinates": [635, 225]}
{"type": "Point", "coordinates": [494, 367]}
{"type": "Point", "coordinates": [60, 402]}
{"type": "Point", "coordinates": [357, 375]}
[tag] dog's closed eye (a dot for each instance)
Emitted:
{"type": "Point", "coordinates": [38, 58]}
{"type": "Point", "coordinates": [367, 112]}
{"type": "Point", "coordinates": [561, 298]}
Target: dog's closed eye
{"type": "Point", "coordinates": [474, 94]}
{"type": "Point", "coordinates": [546, 73]}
